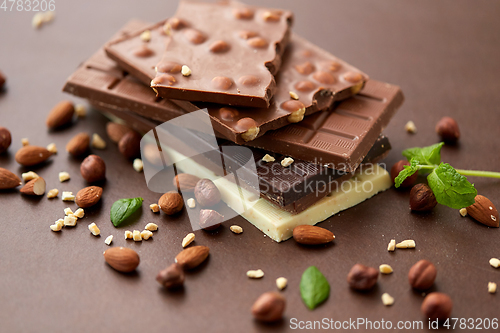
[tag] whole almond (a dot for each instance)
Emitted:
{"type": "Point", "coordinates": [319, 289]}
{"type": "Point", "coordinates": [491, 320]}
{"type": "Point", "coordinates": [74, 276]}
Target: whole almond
{"type": "Point", "coordinates": [79, 144]}
{"type": "Point", "coordinates": [60, 115]}
{"type": "Point", "coordinates": [171, 203]}
{"type": "Point", "coordinates": [171, 277]}
{"type": "Point", "coordinates": [130, 145]}
{"type": "Point", "coordinates": [116, 131]}
{"type": "Point", "coordinates": [192, 256]}
{"type": "Point", "coordinates": [312, 235]}
{"type": "Point", "coordinates": [93, 169]}
{"type": "Point", "coordinates": [32, 155]}
{"type": "Point", "coordinates": [88, 196]}
{"type": "Point", "coordinates": [5, 139]}
{"type": "Point", "coordinates": [484, 211]}
{"type": "Point", "coordinates": [8, 179]}
{"type": "Point", "coordinates": [122, 259]}
{"type": "Point", "coordinates": [422, 275]}
{"type": "Point", "coordinates": [34, 187]}
{"type": "Point", "coordinates": [269, 307]}
{"type": "Point", "coordinates": [186, 182]}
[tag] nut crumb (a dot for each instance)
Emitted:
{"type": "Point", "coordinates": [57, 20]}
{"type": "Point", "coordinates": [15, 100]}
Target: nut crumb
{"type": "Point", "coordinates": [281, 283]}
{"type": "Point", "coordinates": [387, 299]}
{"type": "Point", "coordinates": [64, 176]}
{"type": "Point", "coordinates": [70, 221]}
{"type": "Point", "coordinates": [138, 165]}
{"type": "Point", "coordinates": [25, 142]}
{"type": "Point", "coordinates": [410, 127]}
{"type": "Point", "coordinates": [52, 148]}
{"type": "Point", "coordinates": [136, 236]}
{"type": "Point", "coordinates": [151, 227]}
{"type": "Point", "coordinates": [191, 203]}
{"type": "Point", "coordinates": [146, 36]}
{"type": "Point", "coordinates": [188, 239]}
{"type": "Point", "coordinates": [68, 196]}
{"type": "Point", "coordinates": [392, 245]}
{"type": "Point", "coordinates": [128, 234]}
{"type": "Point", "coordinates": [495, 262]}
{"type": "Point", "coordinates": [48, 17]}
{"type": "Point", "coordinates": [406, 244]}
{"type": "Point", "coordinates": [287, 161]}
{"type": "Point", "coordinates": [68, 211]}
{"type": "Point", "coordinates": [80, 213]}
{"type": "Point", "coordinates": [294, 95]}
{"type": "Point", "coordinates": [57, 226]}
{"type": "Point", "coordinates": [492, 287]}
{"type": "Point", "coordinates": [255, 274]}
{"type": "Point", "coordinates": [463, 212]}
{"type": "Point", "coordinates": [108, 240]}
{"type": "Point", "coordinates": [146, 234]}
{"type": "Point", "coordinates": [94, 229]}
{"type": "Point", "coordinates": [268, 158]}
{"type": "Point", "coordinates": [52, 193]}
{"type": "Point", "coordinates": [98, 142]}
{"type": "Point", "coordinates": [167, 29]}
{"type": "Point", "coordinates": [185, 70]}
{"type": "Point", "coordinates": [37, 20]}
{"type": "Point", "coordinates": [236, 229]}
{"type": "Point", "coordinates": [80, 111]}
{"type": "Point", "coordinates": [27, 176]}
{"type": "Point", "coordinates": [385, 269]}
{"type": "Point", "coordinates": [154, 208]}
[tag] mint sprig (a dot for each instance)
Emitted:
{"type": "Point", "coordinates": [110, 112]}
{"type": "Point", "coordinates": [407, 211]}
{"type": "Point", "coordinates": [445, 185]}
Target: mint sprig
{"type": "Point", "coordinates": [450, 186]}
{"type": "Point", "coordinates": [123, 209]}
{"type": "Point", "coordinates": [314, 288]}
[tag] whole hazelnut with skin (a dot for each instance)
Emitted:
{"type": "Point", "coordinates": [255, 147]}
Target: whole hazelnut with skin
{"type": "Point", "coordinates": [93, 169]}
{"type": "Point", "coordinates": [206, 193]}
{"type": "Point", "coordinates": [171, 277]}
{"type": "Point", "coordinates": [362, 277]}
{"type": "Point", "coordinates": [5, 139]}
{"type": "Point", "coordinates": [130, 145]}
{"type": "Point", "coordinates": [422, 275]}
{"type": "Point", "coordinates": [397, 168]}
{"type": "Point", "coordinates": [437, 305]}
{"type": "Point", "coordinates": [447, 129]}
{"type": "Point", "coordinates": [422, 199]}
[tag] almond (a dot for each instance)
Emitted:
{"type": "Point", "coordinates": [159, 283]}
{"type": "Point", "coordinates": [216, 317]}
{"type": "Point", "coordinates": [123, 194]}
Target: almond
{"type": "Point", "coordinates": [312, 235]}
{"type": "Point", "coordinates": [116, 131]}
{"type": "Point", "coordinates": [88, 196]}
{"type": "Point", "coordinates": [171, 203]}
{"type": "Point", "coordinates": [484, 211]}
{"type": "Point", "coordinates": [5, 139]}
{"type": "Point", "coordinates": [122, 259]}
{"type": "Point", "coordinates": [8, 179]}
{"type": "Point", "coordinates": [34, 187]}
{"type": "Point", "coordinates": [269, 307]}
{"type": "Point", "coordinates": [130, 145]}
{"type": "Point", "coordinates": [192, 256]}
{"type": "Point", "coordinates": [60, 115]}
{"type": "Point", "coordinates": [79, 144]}
{"type": "Point", "coordinates": [32, 155]}
{"type": "Point", "coordinates": [185, 182]}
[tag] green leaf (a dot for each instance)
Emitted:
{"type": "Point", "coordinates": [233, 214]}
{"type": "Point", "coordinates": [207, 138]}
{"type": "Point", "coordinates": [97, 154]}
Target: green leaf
{"type": "Point", "coordinates": [123, 208]}
{"type": "Point", "coordinates": [406, 172]}
{"type": "Point", "coordinates": [430, 155]}
{"type": "Point", "coordinates": [314, 287]}
{"type": "Point", "coordinates": [451, 188]}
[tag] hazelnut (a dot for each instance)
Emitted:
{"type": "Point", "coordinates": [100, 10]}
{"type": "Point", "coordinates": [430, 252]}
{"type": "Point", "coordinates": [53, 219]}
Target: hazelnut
{"type": "Point", "coordinates": [2, 81]}
{"type": "Point", "coordinates": [422, 198]}
{"type": "Point", "coordinates": [362, 277]}
{"type": "Point", "coordinates": [210, 219]}
{"type": "Point", "coordinates": [5, 139]}
{"type": "Point", "coordinates": [171, 277]}
{"type": "Point", "coordinates": [397, 168]}
{"type": "Point", "coordinates": [206, 193]}
{"type": "Point", "coordinates": [93, 169]}
{"type": "Point", "coordinates": [171, 203]}
{"type": "Point", "coordinates": [447, 129]}
{"type": "Point", "coordinates": [269, 307]}
{"type": "Point", "coordinates": [422, 275]}
{"type": "Point", "coordinates": [437, 305]}
{"type": "Point", "coordinates": [130, 145]}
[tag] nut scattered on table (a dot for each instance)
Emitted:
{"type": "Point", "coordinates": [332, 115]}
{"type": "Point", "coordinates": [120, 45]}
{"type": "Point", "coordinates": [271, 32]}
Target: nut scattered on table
{"type": "Point", "coordinates": [392, 245]}
{"type": "Point", "coordinates": [67, 196]}
{"type": "Point", "coordinates": [312, 235]}
{"type": "Point", "coordinates": [94, 229]}
{"type": "Point", "coordinates": [25, 142]}
{"type": "Point", "coordinates": [151, 227]}
{"type": "Point", "coordinates": [387, 299]}
{"type": "Point", "coordinates": [495, 262]}
{"type": "Point", "coordinates": [60, 115]}
{"type": "Point", "coordinates": [362, 277]}
{"type": "Point", "coordinates": [80, 111]}
{"type": "Point", "coordinates": [80, 213]}
{"type": "Point", "coordinates": [281, 283]}
{"type": "Point", "coordinates": [422, 275]}
{"type": "Point", "coordinates": [171, 203]}
{"type": "Point", "coordinates": [93, 169]}
{"type": "Point", "coordinates": [269, 307]}
{"type": "Point", "coordinates": [406, 244]}
{"type": "Point", "coordinates": [130, 145]}
{"type": "Point", "coordinates": [68, 211]}
{"type": "Point", "coordinates": [410, 127]}
{"type": "Point", "coordinates": [154, 208]}
{"type": "Point", "coordinates": [192, 256]}
{"type": "Point", "coordinates": [146, 234]}
{"type": "Point", "coordinates": [138, 165]}
{"type": "Point", "coordinates": [188, 239]}
{"type": "Point", "coordinates": [437, 305]}
{"type": "Point", "coordinates": [52, 148]}
{"type": "Point", "coordinates": [8, 179]}
{"type": "Point", "coordinates": [64, 176]}
{"type": "Point", "coordinates": [492, 287]}
{"type": "Point", "coordinates": [27, 176]}
{"type": "Point", "coordinates": [463, 212]}
{"type": "Point", "coordinates": [128, 234]}
{"type": "Point", "coordinates": [88, 196]}
{"type": "Point", "coordinates": [236, 229]}
{"type": "Point", "coordinates": [171, 277]}
{"type": "Point", "coordinates": [70, 221]}
{"type": "Point", "coordinates": [78, 145]}
{"type": "Point", "coordinates": [116, 131]}
{"type": "Point", "coordinates": [34, 187]}
{"type": "Point", "coordinates": [58, 225]}
{"type": "Point", "coordinates": [484, 212]}
{"type": "Point", "coordinates": [136, 236]}
{"type": "Point", "coordinates": [255, 274]}
{"type": "Point", "coordinates": [422, 199]}
{"type": "Point", "coordinates": [98, 142]}
{"type": "Point", "coordinates": [122, 259]}
{"type": "Point", "coordinates": [53, 193]}
{"type": "Point", "coordinates": [385, 269]}
{"type": "Point", "coordinates": [32, 155]}
{"type": "Point", "coordinates": [268, 158]}
{"type": "Point", "coordinates": [447, 129]}
{"type": "Point", "coordinates": [108, 240]}
{"type": "Point", "coordinates": [5, 136]}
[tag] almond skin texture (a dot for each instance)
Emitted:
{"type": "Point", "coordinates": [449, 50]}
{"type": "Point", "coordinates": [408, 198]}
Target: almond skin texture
{"type": "Point", "coordinates": [312, 235]}
{"type": "Point", "coordinates": [171, 277]}
{"type": "Point", "coordinates": [185, 182]}
{"type": "Point", "coordinates": [116, 131]}
{"type": "Point", "coordinates": [422, 275]}
{"type": "Point", "coordinates": [60, 115]}
{"type": "Point", "coordinates": [484, 211]}
{"type": "Point", "coordinates": [8, 179]}
{"type": "Point", "coordinates": [122, 259]}
{"type": "Point", "coordinates": [437, 306]}
{"type": "Point", "coordinates": [397, 168]}
{"type": "Point", "coordinates": [79, 144]}
{"type": "Point", "coordinates": [34, 187]}
{"type": "Point", "coordinates": [5, 139]}
{"type": "Point", "coordinates": [88, 196]}
{"type": "Point", "coordinates": [269, 307]}
{"type": "Point", "coordinates": [422, 199]}
{"type": "Point", "coordinates": [192, 256]}
{"type": "Point", "coordinates": [32, 155]}
{"type": "Point", "coordinates": [93, 169]}
{"type": "Point", "coordinates": [130, 145]}
{"type": "Point", "coordinates": [362, 277]}
{"type": "Point", "coordinates": [171, 203]}
{"type": "Point", "coordinates": [206, 193]}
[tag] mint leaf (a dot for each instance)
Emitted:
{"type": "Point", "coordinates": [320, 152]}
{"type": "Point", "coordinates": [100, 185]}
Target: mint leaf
{"type": "Point", "coordinates": [451, 188]}
{"type": "Point", "coordinates": [406, 172]}
{"type": "Point", "coordinates": [430, 155]}
{"type": "Point", "coordinates": [123, 208]}
{"type": "Point", "coordinates": [314, 288]}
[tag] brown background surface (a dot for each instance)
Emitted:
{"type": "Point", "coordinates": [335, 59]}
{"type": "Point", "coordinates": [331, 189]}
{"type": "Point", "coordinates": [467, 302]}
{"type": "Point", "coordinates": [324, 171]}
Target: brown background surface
{"type": "Point", "coordinates": [444, 55]}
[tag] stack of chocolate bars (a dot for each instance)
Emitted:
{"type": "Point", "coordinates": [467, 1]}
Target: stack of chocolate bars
{"type": "Point", "coordinates": [265, 88]}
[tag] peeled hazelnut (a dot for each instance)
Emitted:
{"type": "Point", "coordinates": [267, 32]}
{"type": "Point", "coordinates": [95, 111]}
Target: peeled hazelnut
{"type": "Point", "coordinates": [210, 219]}
{"type": "Point", "coordinates": [447, 129]}
{"type": "Point", "coordinates": [206, 193]}
{"type": "Point", "coordinates": [130, 145]}
{"type": "Point", "coordinates": [5, 138]}
{"type": "Point", "coordinates": [422, 275]}
{"type": "Point", "coordinates": [362, 277]}
{"type": "Point", "coordinates": [397, 168]}
{"type": "Point", "coordinates": [171, 277]}
{"type": "Point", "coordinates": [422, 198]}
{"type": "Point", "coordinates": [437, 305]}
{"type": "Point", "coordinates": [93, 169]}
{"type": "Point", "coordinates": [171, 203]}
{"type": "Point", "coordinates": [269, 307]}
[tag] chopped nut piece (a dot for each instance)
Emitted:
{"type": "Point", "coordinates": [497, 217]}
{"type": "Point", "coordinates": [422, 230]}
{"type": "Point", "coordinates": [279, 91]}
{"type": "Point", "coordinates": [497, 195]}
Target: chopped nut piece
{"type": "Point", "coordinates": [128, 234]}
{"type": "Point", "coordinates": [191, 203]}
{"type": "Point", "coordinates": [27, 176]}
{"type": "Point", "coordinates": [151, 227]}
{"type": "Point", "coordinates": [495, 262]}
{"type": "Point", "coordinates": [138, 165]}
{"type": "Point", "coordinates": [146, 234]}
{"type": "Point", "coordinates": [236, 229]}
{"type": "Point", "coordinates": [80, 213]}
{"type": "Point", "coordinates": [37, 20]}
{"type": "Point", "coordinates": [251, 133]}
{"type": "Point", "coordinates": [64, 176]}
{"type": "Point", "coordinates": [70, 220]}
{"type": "Point", "coordinates": [52, 148]}
{"type": "Point", "coordinates": [255, 274]}
{"type": "Point", "coordinates": [167, 29]}
{"type": "Point", "coordinates": [108, 240]}
{"type": "Point", "coordinates": [48, 17]}
{"type": "Point", "coordinates": [98, 142]}
{"type": "Point", "coordinates": [410, 127]}
{"type": "Point", "coordinates": [56, 227]}
{"type": "Point", "coordinates": [188, 239]}
{"type": "Point", "coordinates": [80, 111]}
{"type": "Point", "coordinates": [287, 161]}
{"type": "Point", "coordinates": [392, 245]}
{"type": "Point", "coordinates": [463, 212]}
{"type": "Point", "coordinates": [387, 299]}
{"type": "Point", "coordinates": [406, 244]}
{"type": "Point", "coordinates": [492, 287]}
{"type": "Point", "coordinates": [68, 211]}
{"type": "Point", "coordinates": [185, 70]}
{"type": "Point", "coordinates": [94, 229]}
{"type": "Point", "coordinates": [294, 95]}
{"type": "Point", "coordinates": [268, 158]}
{"type": "Point", "coordinates": [25, 142]}
{"type": "Point", "coordinates": [281, 283]}
{"type": "Point", "coordinates": [146, 36]}
{"type": "Point", "coordinates": [385, 269]}
{"type": "Point", "coordinates": [53, 193]}
{"type": "Point", "coordinates": [155, 208]}
{"type": "Point", "coordinates": [68, 196]}
{"type": "Point", "coordinates": [136, 236]}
